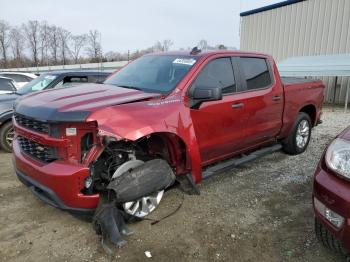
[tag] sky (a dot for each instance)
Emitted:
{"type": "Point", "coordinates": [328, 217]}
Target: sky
{"type": "Point", "coordinates": [138, 24]}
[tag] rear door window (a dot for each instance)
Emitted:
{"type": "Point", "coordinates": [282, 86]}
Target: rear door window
{"type": "Point", "coordinates": [6, 85]}
{"type": "Point", "coordinates": [217, 73]}
{"type": "Point", "coordinates": [69, 81]}
{"type": "Point", "coordinates": [255, 72]}
{"type": "Point", "coordinates": [96, 78]}
{"type": "Point", "coordinates": [17, 78]}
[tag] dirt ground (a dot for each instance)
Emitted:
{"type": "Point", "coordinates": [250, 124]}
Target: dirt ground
{"type": "Point", "coordinates": [259, 212]}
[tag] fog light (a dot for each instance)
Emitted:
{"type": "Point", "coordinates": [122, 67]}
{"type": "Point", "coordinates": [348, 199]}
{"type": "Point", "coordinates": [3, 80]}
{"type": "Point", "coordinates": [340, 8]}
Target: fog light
{"type": "Point", "coordinates": [334, 218]}
{"type": "Point", "coordinates": [88, 182]}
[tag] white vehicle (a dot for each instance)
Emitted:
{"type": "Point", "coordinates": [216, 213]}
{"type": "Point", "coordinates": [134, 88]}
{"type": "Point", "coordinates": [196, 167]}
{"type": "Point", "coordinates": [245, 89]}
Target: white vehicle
{"type": "Point", "coordinates": [19, 78]}
{"type": "Point", "coordinates": [7, 85]}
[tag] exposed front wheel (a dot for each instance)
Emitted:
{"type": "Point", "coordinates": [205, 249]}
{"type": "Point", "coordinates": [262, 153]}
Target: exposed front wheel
{"type": "Point", "coordinates": [299, 137]}
{"type": "Point", "coordinates": [145, 205]}
{"type": "Point", "coordinates": [6, 136]}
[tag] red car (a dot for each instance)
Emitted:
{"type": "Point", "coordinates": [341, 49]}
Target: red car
{"type": "Point", "coordinates": [331, 195]}
{"type": "Point", "coordinates": [192, 109]}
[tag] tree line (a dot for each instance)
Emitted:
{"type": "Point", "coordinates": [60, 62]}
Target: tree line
{"type": "Point", "coordinates": [37, 43]}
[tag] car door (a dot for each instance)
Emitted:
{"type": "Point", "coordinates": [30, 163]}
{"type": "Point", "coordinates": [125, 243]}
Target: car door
{"type": "Point", "coordinates": [263, 101]}
{"type": "Point", "coordinates": [219, 125]}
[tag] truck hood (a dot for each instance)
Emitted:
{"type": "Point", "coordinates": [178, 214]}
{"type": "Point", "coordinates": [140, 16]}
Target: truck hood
{"type": "Point", "coordinates": [76, 103]}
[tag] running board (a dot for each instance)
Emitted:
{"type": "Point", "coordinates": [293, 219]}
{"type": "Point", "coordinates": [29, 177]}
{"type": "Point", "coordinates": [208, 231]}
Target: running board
{"type": "Point", "coordinates": [232, 163]}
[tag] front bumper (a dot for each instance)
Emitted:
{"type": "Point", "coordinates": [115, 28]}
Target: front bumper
{"type": "Point", "coordinates": [57, 183]}
{"type": "Point", "coordinates": [334, 193]}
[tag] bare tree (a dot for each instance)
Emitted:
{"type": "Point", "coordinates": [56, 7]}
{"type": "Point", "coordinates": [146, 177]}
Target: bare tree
{"type": "Point", "coordinates": [4, 40]}
{"type": "Point", "coordinates": [157, 47]}
{"type": "Point", "coordinates": [77, 43]}
{"type": "Point", "coordinates": [94, 49]}
{"type": "Point", "coordinates": [17, 45]}
{"type": "Point", "coordinates": [167, 43]}
{"type": "Point", "coordinates": [162, 46]}
{"type": "Point", "coordinates": [44, 42]}
{"type": "Point", "coordinates": [203, 45]}
{"type": "Point", "coordinates": [63, 37]}
{"type": "Point", "coordinates": [32, 30]}
{"type": "Point", "coordinates": [221, 47]}
{"type": "Point", "coordinates": [53, 42]}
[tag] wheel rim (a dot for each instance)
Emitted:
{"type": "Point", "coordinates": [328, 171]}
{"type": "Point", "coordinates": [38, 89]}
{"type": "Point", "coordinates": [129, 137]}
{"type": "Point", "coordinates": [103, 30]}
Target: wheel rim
{"type": "Point", "coordinates": [9, 136]}
{"type": "Point", "coordinates": [145, 205]}
{"type": "Point", "coordinates": [303, 133]}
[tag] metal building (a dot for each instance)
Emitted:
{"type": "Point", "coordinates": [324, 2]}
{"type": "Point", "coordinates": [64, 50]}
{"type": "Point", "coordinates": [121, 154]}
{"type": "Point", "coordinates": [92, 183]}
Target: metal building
{"type": "Point", "coordinates": [301, 28]}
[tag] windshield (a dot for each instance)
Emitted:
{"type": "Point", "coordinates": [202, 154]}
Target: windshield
{"type": "Point", "coordinates": [37, 84]}
{"type": "Point", "coordinates": [153, 73]}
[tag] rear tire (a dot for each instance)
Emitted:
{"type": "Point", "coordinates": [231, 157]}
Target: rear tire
{"type": "Point", "coordinates": [299, 137]}
{"type": "Point", "coordinates": [327, 239]}
{"type": "Point", "coordinates": [6, 137]}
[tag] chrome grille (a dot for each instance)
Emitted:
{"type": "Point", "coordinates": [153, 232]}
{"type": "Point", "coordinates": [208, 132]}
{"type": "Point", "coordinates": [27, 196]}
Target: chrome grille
{"type": "Point", "coordinates": [40, 152]}
{"type": "Point", "coordinates": [32, 124]}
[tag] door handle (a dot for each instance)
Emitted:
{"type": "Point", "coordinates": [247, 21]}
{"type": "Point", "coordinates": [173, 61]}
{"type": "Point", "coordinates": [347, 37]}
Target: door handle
{"type": "Point", "coordinates": [239, 105]}
{"type": "Point", "coordinates": [276, 98]}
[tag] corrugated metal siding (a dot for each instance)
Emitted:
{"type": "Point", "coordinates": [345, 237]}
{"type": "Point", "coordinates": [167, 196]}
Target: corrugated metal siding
{"type": "Point", "coordinates": [312, 27]}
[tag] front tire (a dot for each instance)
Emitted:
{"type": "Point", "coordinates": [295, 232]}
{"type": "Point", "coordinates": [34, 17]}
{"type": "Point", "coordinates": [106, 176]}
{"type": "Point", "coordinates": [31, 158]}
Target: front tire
{"type": "Point", "coordinates": [6, 137]}
{"type": "Point", "coordinates": [299, 137]}
{"type": "Point", "coordinates": [327, 239]}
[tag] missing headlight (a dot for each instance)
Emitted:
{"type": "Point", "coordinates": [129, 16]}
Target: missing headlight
{"type": "Point", "coordinates": [86, 144]}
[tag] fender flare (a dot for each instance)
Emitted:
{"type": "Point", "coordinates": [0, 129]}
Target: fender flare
{"type": "Point", "coordinates": [188, 137]}
{"type": "Point", "coordinates": [5, 117]}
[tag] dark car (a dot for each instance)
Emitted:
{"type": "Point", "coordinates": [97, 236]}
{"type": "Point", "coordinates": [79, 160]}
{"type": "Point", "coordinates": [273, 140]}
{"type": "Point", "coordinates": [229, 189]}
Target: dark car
{"type": "Point", "coordinates": [58, 79]}
{"type": "Point", "coordinates": [332, 195]}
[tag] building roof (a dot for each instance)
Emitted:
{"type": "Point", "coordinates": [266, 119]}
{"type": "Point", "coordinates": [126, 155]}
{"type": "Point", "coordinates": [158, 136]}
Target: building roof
{"type": "Point", "coordinates": [270, 7]}
{"type": "Point", "coordinates": [323, 65]}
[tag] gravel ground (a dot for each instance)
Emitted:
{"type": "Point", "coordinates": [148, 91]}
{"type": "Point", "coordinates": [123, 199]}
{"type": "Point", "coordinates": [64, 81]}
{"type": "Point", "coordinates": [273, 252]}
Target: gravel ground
{"type": "Point", "coordinates": [261, 211]}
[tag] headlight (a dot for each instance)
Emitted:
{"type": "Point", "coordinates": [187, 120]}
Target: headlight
{"type": "Point", "coordinates": [338, 157]}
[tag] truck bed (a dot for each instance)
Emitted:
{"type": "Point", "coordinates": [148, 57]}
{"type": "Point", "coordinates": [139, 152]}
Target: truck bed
{"type": "Point", "coordinates": [297, 80]}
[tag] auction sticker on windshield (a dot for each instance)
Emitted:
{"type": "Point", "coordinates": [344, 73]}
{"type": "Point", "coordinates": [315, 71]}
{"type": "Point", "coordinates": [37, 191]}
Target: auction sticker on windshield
{"type": "Point", "coordinates": [184, 61]}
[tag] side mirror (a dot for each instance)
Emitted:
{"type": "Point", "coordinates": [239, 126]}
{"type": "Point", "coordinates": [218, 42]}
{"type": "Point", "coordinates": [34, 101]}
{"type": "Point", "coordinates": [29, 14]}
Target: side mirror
{"type": "Point", "coordinates": [203, 94]}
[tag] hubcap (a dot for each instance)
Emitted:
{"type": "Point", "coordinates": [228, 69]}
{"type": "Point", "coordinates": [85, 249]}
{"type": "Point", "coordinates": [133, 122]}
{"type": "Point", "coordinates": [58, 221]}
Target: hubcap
{"type": "Point", "coordinates": [145, 205]}
{"type": "Point", "coordinates": [9, 136]}
{"type": "Point", "coordinates": [303, 133]}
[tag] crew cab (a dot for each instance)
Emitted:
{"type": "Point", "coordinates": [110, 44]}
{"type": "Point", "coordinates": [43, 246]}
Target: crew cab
{"type": "Point", "coordinates": [56, 79]}
{"type": "Point", "coordinates": [192, 109]}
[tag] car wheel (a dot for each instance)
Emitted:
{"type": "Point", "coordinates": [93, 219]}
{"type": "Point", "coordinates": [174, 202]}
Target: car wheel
{"type": "Point", "coordinates": [299, 138]}
{"type": "Point", "coordinates": [327, 239]}
{"type": "Point", "coordinates": [6, 136]}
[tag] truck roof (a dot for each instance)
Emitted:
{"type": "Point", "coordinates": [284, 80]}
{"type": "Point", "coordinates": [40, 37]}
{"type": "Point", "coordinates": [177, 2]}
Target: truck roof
{"type": "Point", "coordinates": [209, 53]}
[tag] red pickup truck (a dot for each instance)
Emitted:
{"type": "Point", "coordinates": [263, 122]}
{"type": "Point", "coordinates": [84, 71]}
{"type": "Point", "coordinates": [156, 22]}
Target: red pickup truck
{"type": "Point", "coordinates": [192, 109]}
